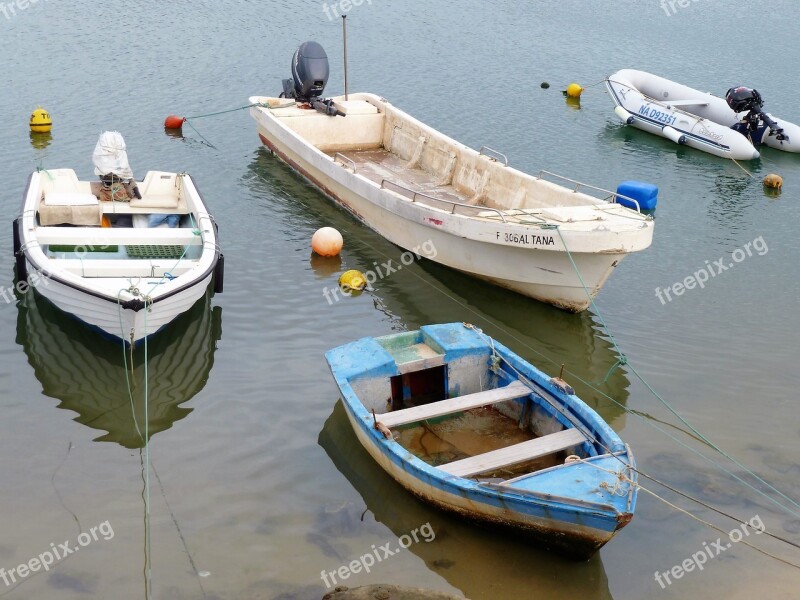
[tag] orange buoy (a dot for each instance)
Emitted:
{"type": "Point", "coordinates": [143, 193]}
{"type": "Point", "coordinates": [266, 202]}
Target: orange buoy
{"type": "Point", "coordinates": [174, 122]}
{"type": "Point", "coordinates": [773, 181]}
{"type": "Point", "coordinates": [327, 242]}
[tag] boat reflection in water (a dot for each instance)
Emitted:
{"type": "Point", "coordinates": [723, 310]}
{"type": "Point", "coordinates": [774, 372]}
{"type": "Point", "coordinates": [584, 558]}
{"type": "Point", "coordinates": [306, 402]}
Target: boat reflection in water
{"type": "Point", "coordinates": [86, 372]}
{"type": "Point", "coordinates": [544, 336]}
{"type": "Point", "coordinates": [425, 292]}
{"type": "Point", "coordinates": [477, 561]}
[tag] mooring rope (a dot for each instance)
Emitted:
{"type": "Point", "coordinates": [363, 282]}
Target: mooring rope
{"type": "Point", "coordinates": [149, 554]}
{"type": "Point", "coordinates": [635, 413]}
{"type": "Point", "coordinates": [666, 404]}
{"type": "Point", "coordinates": [589, 385]}
{"type": "Point", "coordinates": [145, 454]}
{"type": "Point", "coordinates": [188, 120]}
{"type": "Point", "coordinates": [592, 438]}
{"type": "Point", "coordinates": [623, 478]}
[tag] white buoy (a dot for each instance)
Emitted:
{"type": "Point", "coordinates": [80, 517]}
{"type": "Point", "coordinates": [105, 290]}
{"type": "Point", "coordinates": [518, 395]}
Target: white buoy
{"type": "Point", "coordinates": [327, 241]}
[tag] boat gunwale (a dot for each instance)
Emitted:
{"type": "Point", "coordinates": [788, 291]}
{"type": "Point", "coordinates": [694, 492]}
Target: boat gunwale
{"type": "Point", "coordinates": [382, 104]}
{"type": "Point", "coordinates": [134, 304]}
{"type": "Point", "coordinates": [417, 467]}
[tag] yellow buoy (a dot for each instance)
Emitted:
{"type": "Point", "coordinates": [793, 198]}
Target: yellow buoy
{"type": "Point", "coordinates": [327, 241]}
{"type": "Point", "coordinates": [773, 181]}
{"type": "Point", "coordinates": [41, 121]}
{"type": "Point", "coordinates": [352, 280]}
{"type": "Point", "coordinates": [573, 90]}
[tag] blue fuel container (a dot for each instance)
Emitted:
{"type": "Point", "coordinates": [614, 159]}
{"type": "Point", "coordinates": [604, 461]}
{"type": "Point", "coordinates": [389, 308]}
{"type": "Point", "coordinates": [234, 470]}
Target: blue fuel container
{"type": "Point", "coordinates": [644, 193]}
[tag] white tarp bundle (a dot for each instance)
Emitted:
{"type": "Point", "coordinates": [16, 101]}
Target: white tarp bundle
{"type": "Point", "coordinates": [110, 156]}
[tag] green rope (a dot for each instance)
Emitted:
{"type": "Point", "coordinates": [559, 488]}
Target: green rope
{"type": "Point", "coordinates": [189, 123]}
{"type": "Point", "coordinates": [196, 231]}
{"type": "Point", "coordinates": [222, 112]}
{"type": "Point", "coordinates": [145, 438]}
{"type": "Point", "coordinates": [125, 360]}
{"type": "Point", "coordinates": [620, 354]}
{"type": "Point", "coordinates": [666, 404]}
{"type": "Point", "coordinates": [188, 120]}
{"type": "Point", "coordinates": [646, 419]}
{"type": "Point", "coordinates": [149, 555]}
{"type": "Point", "coordinates": [622, 360]}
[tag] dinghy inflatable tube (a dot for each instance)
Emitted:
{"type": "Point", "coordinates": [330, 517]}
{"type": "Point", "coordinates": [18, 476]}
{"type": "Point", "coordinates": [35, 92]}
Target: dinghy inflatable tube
{"type": "Point", "coordinates": [673, 134]}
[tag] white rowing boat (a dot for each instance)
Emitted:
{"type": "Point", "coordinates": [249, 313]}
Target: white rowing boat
{"type": "Point", "coordinates": [108, 263]}
{"type": "Point", "coordinates": [414, 185]}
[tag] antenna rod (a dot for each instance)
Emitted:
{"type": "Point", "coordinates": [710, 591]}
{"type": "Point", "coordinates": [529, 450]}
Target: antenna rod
{"type": "Point", "coordinates": [344, 38]}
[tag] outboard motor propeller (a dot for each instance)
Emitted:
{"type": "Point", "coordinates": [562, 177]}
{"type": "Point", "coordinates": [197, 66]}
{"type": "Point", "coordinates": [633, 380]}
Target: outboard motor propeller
{"type": "Point", "coordinates": [744, 99]}
{"type": "Point", "coordinates": [310, 72]}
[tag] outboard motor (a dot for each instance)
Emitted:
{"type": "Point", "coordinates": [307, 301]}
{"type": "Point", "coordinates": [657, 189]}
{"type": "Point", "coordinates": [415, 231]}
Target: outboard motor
{"type": "Point", "coordinates": [756, 122]}
{"type": "Point", "coordinates": [310, 72]}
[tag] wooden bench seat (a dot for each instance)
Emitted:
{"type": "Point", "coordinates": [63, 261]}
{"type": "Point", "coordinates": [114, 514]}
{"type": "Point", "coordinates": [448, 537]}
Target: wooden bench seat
{"type": "Point", "coordinates": [135, 208]}
{"type": "Point", "coordinates": [530, 450]}
{"type": "Point", "coordinates": [453, 405]}
{"type": "Point", "coordinates": [110, 236]}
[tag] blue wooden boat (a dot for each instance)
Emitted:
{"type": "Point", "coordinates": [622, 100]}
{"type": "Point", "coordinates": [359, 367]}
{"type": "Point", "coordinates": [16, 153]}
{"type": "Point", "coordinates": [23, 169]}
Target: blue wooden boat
{"type": "Point", "coordinates": [464, 423]}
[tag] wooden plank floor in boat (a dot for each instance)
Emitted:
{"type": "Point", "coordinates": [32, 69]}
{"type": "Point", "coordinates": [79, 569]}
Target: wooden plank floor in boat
{"type": "Point", "coordinates": [377, 165]}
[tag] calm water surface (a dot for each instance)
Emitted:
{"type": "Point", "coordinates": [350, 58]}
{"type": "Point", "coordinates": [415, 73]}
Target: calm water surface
{"type": "Point", "coordinates": [256, 482]}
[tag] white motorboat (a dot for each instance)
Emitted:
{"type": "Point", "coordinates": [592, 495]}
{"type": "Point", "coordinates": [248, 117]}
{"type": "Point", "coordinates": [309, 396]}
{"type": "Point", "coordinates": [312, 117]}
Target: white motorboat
{"type": "Point", "coordinates": [419, 188]}
{"type": "Point", "coordinates": [125, 257]}
{"type": "Point", "coordinates": [731, 127]}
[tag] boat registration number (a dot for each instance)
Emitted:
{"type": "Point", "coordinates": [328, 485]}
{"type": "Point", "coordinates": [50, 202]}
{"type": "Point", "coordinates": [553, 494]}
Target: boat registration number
{"type": "Point", "coordinates": [527, 239]}
{"type": "Point", "coordinates": [657, 115]}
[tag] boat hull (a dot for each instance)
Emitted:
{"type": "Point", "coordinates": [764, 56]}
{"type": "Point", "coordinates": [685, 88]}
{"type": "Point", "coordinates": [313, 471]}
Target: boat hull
{"type": "Point", "coordinates": [503, 253]}
{"type": "Point", "coordinates": [108, 316]}
{"type": "Point", "coordinates": [527, 520]}
{"type": "Point", "coordinates": [108, 297]}
{"type": "Point", "coordinates": [545, 276]}
{"type": "Point", "coordinates": [573, 507]}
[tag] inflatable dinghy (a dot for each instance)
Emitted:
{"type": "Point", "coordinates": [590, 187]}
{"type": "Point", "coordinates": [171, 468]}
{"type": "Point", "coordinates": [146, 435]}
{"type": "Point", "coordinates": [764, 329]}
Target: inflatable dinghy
{"type": "Point", "coordinates": [731, 127]}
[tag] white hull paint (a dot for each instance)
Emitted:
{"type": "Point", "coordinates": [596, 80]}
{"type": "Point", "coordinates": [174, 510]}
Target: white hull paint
{"type": "Point", "coordinates": [122, 306]}
{"type": "Point", "coordinates": [527, 259]}
{"type": "Point", "coordinates": [688, 116]}
{"type": "Point", "coordinates": [108, 316]}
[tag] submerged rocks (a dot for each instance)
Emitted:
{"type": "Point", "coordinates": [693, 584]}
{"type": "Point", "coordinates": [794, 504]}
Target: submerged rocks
{"type": "Point", "coordinates": [385, 592]}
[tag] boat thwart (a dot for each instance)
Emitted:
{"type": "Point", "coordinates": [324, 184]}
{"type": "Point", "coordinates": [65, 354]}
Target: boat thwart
{"type": "Point", "coordinates": [412, 184]}
{"type": "Point", "coordinates": [125, 257]}
{"type": "Point", "coordinates": [510, 446]}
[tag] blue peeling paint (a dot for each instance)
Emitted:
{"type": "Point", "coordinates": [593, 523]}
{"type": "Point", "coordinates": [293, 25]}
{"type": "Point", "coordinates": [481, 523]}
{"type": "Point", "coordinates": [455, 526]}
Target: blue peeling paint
{"type": "Point", "coordinates": [553, 494]}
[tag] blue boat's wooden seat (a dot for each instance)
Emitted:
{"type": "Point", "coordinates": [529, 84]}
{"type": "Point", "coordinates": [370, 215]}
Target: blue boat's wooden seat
{"type": "Point", "coordinates": [452, 405]}
{"type": "Point", "coordinates": [548, 444]}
